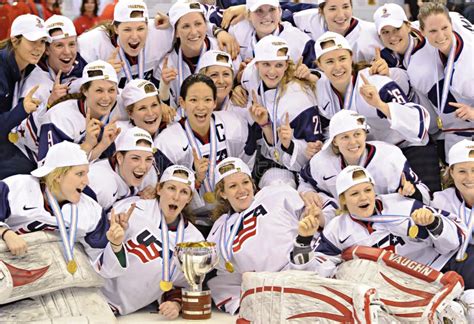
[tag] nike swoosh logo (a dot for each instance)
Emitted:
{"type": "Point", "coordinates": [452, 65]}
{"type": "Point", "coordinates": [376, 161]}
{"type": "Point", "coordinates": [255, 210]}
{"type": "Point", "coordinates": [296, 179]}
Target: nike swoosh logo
{"type": "Point", "coordinates": [342, 241]}
{"type": "Point", "coordinates": [115, 194]}
{"type": "Point", "coordinates": [330, 177]}
{"type": "Point", "coordinates": [82, 133]}
{"type": "Point", "coordinates": [28, 208]}
{"type": "Point", "coordinates": [306, 31]}
{"type": "Point", "coordinates": [185, 148]}
{"type": "Point", "coordinates": [327, 104]}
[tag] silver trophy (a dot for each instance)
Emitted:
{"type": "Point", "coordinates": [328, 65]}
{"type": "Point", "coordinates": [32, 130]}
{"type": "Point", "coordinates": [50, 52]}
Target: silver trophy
{"type": "Point", "coordinates": [196, 259]}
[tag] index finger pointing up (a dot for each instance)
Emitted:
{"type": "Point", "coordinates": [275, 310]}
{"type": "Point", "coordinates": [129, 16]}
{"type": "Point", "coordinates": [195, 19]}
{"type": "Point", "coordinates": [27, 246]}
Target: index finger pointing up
{"type": "Point", "coordinates": [58, 78]}
{"type": "Point", "coordinates": [287, 119]}
{"type": "Point", "coordinates": [364, 79]}
{"type": "Point", "coordinates": [165, 62]}
{"type": "Point", "coordinates": [254, 97]}
{"type": "Point", "coordinates": [377, 53]}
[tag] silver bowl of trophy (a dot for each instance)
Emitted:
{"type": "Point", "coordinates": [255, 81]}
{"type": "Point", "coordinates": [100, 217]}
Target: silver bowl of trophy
{"type": "Point", "coordinates": [196, 259]}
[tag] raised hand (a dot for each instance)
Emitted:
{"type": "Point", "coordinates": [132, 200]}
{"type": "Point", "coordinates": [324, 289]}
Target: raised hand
{"type": "Point", "coordinates": [115, 61]}
{"type": "Point", "coordinates": [312, 148]}
{"type": "Point", "coordinates": [463, 111]}
{"type": "Point", "coordinates": [168, 74]}
{"type": "Point", "coordinates": [111, 132]}
{"type": "Point", "coordinates": [406, 187]}
{"type": "Point", "coordinates": [59, 90]}
{"type": "Point", "coordinates": [285, 132]}
{"type": "Point", "coordinates": [29, 103]}
{"type": "Point", "coordinates": [201, 166]}
{"type": "Point", "coordinates": [168, 114]}
{"type": "Point", "coordinates": [118, 226]}
{"type": "Point", "coordinates": [379, 65]}
{"type": "Point", "coordinates": [239, 96]}
{"type": "Point", "coordinates": [233, 15]}
{"type": "Point", "coordinates": [309, 225]}
{"type": "Point", "coordinates": [371, 95]}
{"type": "Point", "coordinates": [162, 21]}
{"type": "Point", "coordinates": [257, 111]}
{"type": "Point", "coordinates": [423, 216]}
{"type": "Point", "coordinates": [302, 72]}
{"type": "Point", "coordinates": [93, 127]}
{"type": "Point", "coordinates": [228, 43]}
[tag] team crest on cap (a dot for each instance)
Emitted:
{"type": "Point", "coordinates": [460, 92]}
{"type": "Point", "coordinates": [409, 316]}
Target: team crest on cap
{"type": "Point", "coordinates": [385, 13]}
{"type": "Point", "coordinates": [38, 23]}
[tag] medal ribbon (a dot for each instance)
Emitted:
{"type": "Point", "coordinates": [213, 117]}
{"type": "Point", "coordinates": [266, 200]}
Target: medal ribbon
{"type": "Point", "coordinates": [226, 243]}
{"type": "Point", "coordinates": [181, 68]}
{"type": "Point", "coordinates": [127, 69]}
{"type": "Point", "coordinates": [469, 223]}
{"type": "Point", "coordinates": [167, 272]}
{"type": "Point", "coordinates": [408, 52]}
{"type": "Point", "coordinates": [348, 95]}
{"type": "Point", "coordinates": [448, 74]}
{"type": "Point", "coordinates": [210, 176]}
{"type": "Point", "coordinates": [274, 113]}
{"type": "Point", "coordinates": [68, 239]}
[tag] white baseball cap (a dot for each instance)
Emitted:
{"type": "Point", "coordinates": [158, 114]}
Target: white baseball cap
{"type": "Point", "coordinates": [61, 155]}
{"type": "Point", "coordinates": [344, 121]}
{"type": "Point", "coordinates": [462, 151]}
{"type": "Point", "coordinates": [169, 174]}
{"type": "Point", "coordinates": [253, 5]}
{"type": "Point", "coordinates": [64, 24]}
{"type": "Point", "coordinates": [137, 90]}
{"type": "Point", "coordinates": [128, 141]}
{"type": "Point", "coordinates": [179, 9]}
{"type": "Point", "coordinates": [124, 8]}
{"type": "Point", "coordinates": [340, 42]}
{"type": "Point", "coordinates": [351, 176]}
{"type": "Point", "coordinates": [267, 49]}
{"type": "Point", "coordinates": [98, 70]}
{"type": "Point", "coordinates": [29, 26]}
{"type": "Point", "coordinates": [214, 57]}
{"type": "Point", "coordinates": [320, 2]}
{"type": "Point", "coordinates": [230, 166]}
{"type": "Point", "coordinates": [390, 14]}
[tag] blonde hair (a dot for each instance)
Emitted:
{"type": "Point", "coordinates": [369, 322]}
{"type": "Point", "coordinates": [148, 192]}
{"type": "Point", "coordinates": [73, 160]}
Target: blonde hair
{"type": "Point", "coordinates": [432, 8]}
{"type": "Point", "coordinates": [51, 179]}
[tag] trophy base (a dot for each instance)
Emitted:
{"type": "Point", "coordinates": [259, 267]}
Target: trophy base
{"type": "Point", "coordinates": [196, 305]}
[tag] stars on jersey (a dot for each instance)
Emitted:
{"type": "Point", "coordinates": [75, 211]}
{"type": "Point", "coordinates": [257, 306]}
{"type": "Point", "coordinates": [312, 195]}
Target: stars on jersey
{"type": "Point", "coordinates": [389, 242]}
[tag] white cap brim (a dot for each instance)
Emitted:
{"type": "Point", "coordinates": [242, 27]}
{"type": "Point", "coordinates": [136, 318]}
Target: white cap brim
{"type": "Point", "coordinates": [42, 171]}
{"type": "Point", "coordinates": [35, 35]}
{"type": "Point", "coordinates": [397, 23]}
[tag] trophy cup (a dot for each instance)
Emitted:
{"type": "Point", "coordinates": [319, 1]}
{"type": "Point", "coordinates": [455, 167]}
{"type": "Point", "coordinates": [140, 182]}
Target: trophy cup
{"type": "Point", "coordinates": [195, 260]}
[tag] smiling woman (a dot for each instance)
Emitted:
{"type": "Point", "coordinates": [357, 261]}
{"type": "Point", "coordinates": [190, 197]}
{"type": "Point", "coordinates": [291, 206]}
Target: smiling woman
{"type": "Point", "coordinates": [18, 56]}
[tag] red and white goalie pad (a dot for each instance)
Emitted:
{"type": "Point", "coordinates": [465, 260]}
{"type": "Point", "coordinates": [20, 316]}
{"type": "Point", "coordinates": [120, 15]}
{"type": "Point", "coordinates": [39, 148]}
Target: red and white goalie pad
{"type": "Point", "coordinates": [410, 291]}
{"type": "Point", "coordinates": [304, 297]}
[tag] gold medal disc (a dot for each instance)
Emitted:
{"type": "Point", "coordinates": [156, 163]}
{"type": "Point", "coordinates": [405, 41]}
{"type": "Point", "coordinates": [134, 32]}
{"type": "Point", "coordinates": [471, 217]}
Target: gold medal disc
{"type": "Point", "coordinates": [209, 197]}
{"type": "Point", "coordinates": [166, 285]}
{"type": "Point", "coordinates": [13, 137]}
{"type": "Point", "coordinates": [276, 155]}
{"type": "Point", "coordinates": [72, 266]}
{"type": "Point", "coordinates": [413, 231]}
{"type": "Point", "coordinates": [464, 257]}
{"type": "Point", "coordinates": [439, 122]}
{"type": "Point", "coordinates": [229, 266]}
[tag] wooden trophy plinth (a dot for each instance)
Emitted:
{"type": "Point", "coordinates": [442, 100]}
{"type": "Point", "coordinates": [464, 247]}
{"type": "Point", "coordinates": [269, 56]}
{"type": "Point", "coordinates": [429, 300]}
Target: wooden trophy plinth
{"type": "Point", "coordinates": [196, 305]}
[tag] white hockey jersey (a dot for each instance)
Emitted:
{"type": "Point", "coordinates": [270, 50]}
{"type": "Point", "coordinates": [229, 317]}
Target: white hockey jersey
{"type": "Point", "coordinates": [451, 200]}
{"type": "Point", "coordinates": [384, 161]}
{"type": "Point", "coordinates": [233, 139]}
{"type": "Point", "coordinates": [95, 45]}
{"type": "Point", "coordinates": [29, 129]}
{"type": "Point", "coordinates": [301, 104]}
{"type": "Point", "coordinates": [361, 34]}
{"type": "Point", "coordinates": [109, 187]}
{"type": "Point", "coordinates": [344, 231]}
{"type": "Point", "coordinates": [262, 243]}
{"type": "Point", "coordinates": [299, 43]}
{"type": "Point", "coordinates": [139, 286]}
{"type": "Point", "coordinates": [24, 209]}
{"type": "Point", "coordinates": [426, 71]}
{"type": "Point", "coordinates": [408, 124]}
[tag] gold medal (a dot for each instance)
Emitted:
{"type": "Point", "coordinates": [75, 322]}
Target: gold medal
{"type": "Point", "coordinates": [72, 266]}
{"type": "Point", "coordinates": [229, 266]}
{"type": "Point", "coordinates": [464, 257]}
{"type": "Point", "coordinates": [439, 122]}
{"type": "Point", "coordinates": [166, 285]}
{"type": "Point", "coordinates": [13, 137]}
{"type": "Point", "coordinates": [209, 197]}
{"type": "Point", "coordinates": [413, 231]}
{"type": "Point", "coordinates": [276, 155]}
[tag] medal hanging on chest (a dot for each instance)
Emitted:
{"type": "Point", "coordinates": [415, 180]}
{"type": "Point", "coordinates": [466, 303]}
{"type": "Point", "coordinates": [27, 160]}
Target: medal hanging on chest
{"type": "Point", "coordinates": [166, 271]}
